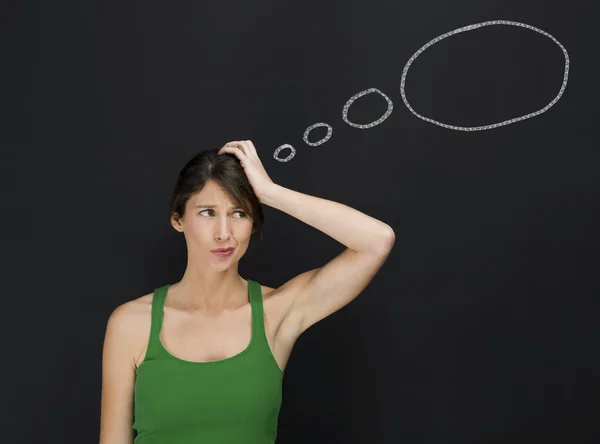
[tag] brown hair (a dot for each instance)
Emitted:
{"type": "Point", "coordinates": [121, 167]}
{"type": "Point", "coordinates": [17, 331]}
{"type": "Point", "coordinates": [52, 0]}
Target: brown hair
{"type": "Point", "coordinates": [226, 170]}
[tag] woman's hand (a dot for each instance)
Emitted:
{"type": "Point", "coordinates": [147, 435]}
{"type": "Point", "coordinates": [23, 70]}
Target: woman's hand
{"type": "Point", "coordinates": [257, 176]}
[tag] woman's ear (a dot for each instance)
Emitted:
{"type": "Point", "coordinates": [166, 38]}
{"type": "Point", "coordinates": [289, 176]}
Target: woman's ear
{"type": "Point", "coordinates": [176, 222]}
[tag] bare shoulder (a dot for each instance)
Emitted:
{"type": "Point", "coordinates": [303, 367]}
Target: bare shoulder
{"type": "Point", "coordinates": [266, 291]}
{"type": "Point", "coordinates": [130, 322]}
{"type": "Point", "coordinates": [279, 319]}
{"type": "Point", "coordinates": [271, 301]}
{"type": "Point", "coordinates": [273, 298]}
{"type": "Point", "coordinates": [130, 313]}
{"type": "Point", "coordinates": [124, 327]}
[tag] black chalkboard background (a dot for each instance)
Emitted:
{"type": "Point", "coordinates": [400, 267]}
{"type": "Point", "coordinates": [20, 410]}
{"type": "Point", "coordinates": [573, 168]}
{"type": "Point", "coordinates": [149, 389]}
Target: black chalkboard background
{"type": "Point", "coordinates": [481, 327]}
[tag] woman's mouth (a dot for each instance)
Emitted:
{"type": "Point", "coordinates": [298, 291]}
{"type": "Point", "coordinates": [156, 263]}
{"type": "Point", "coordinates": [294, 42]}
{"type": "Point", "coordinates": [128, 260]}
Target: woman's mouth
{"type": "Point", "coordinates": [223, 252]}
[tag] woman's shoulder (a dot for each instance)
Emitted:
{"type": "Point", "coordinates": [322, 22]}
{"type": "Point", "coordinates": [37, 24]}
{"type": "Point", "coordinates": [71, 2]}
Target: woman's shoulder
{"type": "Point", "coordinates": [269, 291]}
{"type": "Point", "coordinates": [266, 290]}
{"type": "Point", "coordinates": [132, 320]}
{"type": "Point", "coordinates": [130, 310]}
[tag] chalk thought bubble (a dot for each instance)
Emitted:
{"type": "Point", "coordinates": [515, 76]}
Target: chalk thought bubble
{"type": "Point", "coordinates": [427, 119]}
{"type": "Point", "coordinates": [493, 125]}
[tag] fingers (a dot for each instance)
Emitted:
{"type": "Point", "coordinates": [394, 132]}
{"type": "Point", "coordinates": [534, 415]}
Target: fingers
{"type": "Point", "coordinates": [246, 146]}
{"type": "Point", "coordinates": [251, 147]}
{"type": "Point", "coordinates": [237, 152]}
{"type": "Point", "coordinates": [236, 145]}
{"type": "Point", "coordinates": [231, 147]}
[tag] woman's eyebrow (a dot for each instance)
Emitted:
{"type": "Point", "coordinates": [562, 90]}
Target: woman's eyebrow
{"type": "Point", "coordinates": [213, 206]}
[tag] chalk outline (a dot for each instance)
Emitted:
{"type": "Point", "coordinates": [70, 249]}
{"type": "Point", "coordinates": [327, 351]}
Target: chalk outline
{"type": "Point", "coordinates": [352, 99]}
{"type": "Point", "coordinates": [427, 119]}
{"type": "Point", "coordinates": [324, 139]}
{"type": "Point", "coordinates": [289, 157]}
{"type": "Point", "coordinates": [470, 28]}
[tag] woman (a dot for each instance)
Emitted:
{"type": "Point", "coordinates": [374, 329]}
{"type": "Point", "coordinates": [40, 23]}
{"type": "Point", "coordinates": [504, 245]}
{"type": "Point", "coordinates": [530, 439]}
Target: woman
{"type": "Point", "coordinates": [202, 360]}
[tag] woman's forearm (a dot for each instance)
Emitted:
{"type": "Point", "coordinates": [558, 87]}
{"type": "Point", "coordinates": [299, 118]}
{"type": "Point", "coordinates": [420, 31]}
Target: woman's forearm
{"type": "Point", "coordinates": [348, 226]}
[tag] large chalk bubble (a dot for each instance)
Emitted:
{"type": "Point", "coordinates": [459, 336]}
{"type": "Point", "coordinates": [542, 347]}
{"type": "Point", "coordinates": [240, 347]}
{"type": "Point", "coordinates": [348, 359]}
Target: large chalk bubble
{"type": "Point", "coordinates": [471, 28]}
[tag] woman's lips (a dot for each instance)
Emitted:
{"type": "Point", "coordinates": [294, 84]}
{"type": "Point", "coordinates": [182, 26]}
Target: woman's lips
{"type": "Point", "coordinates": [223, 253]}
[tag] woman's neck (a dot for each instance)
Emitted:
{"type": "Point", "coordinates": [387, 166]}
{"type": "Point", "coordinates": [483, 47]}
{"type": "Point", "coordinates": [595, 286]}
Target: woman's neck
{"type": "Point", "coordinates": [210, 292]}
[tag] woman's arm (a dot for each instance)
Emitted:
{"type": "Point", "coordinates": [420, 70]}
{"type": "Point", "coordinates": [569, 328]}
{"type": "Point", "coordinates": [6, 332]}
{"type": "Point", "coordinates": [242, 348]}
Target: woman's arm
{"type": "Point", "coordinates": [118, 376]}
{"type": "Point", "coordinates": [315, 294]}
{"type": "Point", "coordinates": [357, 231]}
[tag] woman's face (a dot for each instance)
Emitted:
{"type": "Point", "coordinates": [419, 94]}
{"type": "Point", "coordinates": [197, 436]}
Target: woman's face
{"type": "Point", "coordinates": [213, 221]}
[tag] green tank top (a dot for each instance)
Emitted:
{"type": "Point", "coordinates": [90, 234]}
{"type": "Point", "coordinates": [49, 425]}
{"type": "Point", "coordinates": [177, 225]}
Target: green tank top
{"type": "Point", "coordinates": [234, 400]}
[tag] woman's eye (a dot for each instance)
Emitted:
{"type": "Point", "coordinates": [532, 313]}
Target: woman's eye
{"type": "Point", "coordinates": [243, 214]}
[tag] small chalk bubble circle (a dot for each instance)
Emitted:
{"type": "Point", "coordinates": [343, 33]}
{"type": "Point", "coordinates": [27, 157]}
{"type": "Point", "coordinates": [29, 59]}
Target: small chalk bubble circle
{"type": "Point", "coordinates": [352, 99]}
{"type": "Point", "coordinates": [470, 28]}
{"type": "Point", "coordinates": [323, 140]}
{"type": "Point", "coordinates": [282, 147]}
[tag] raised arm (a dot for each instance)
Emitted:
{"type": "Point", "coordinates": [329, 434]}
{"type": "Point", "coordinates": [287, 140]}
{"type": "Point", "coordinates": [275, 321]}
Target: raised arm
{"type": "Point", "coordinates": [315, 294]}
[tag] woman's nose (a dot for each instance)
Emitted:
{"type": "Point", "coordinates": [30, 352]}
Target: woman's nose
{"type": "Point", "coordinates": [223, 228]}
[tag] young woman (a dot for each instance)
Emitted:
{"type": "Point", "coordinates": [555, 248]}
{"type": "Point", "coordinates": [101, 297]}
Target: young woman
{"type": "Point", "coordinates": [202, 360]}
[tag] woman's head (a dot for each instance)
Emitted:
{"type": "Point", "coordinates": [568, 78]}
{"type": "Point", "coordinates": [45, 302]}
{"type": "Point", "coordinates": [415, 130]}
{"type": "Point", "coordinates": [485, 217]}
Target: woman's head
{"type": "Point", "coordinates": [214, 205]}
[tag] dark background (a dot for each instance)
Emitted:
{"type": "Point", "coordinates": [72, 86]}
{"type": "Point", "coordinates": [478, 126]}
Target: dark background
{"type": "Point", "coordinates": [481, 327]}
